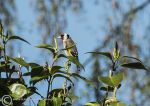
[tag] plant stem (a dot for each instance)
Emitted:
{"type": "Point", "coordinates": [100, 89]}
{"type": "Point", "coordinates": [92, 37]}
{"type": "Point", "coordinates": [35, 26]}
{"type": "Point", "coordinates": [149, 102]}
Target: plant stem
{"type": "Point", "coordinates": [114, 92]}
{"type": "Point", "coordinates": [49, 83]}
{"type": "Point", "coordinates": [5, 60]}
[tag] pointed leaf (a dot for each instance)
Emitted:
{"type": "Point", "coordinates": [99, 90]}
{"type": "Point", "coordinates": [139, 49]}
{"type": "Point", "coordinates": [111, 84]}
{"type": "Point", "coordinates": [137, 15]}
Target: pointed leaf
{"type": "Point", "coordinates": [36, 79]}
{"type": "Point", "coordinates": [107, 54]}
{"type": "Point", "coordinates": [20, 61]}
{"type": "Point", "coordinates": [134, 65]}
{"type": "Point", "coordinates": [132, 58]}
{"type": "Point", "coordinates": [46, 46]}
{"type": "Point", "coordinates": [63, 76]}
{"type": "Point", "coordinates": [113, 81]}
{"type": "Point", "coordinates": [17, 37]}
{"type": "Point", "coordinates": [54, 69]}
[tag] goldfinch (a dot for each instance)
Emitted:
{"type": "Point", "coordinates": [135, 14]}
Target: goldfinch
{"type": "Point", "coordinates": [69, 45]}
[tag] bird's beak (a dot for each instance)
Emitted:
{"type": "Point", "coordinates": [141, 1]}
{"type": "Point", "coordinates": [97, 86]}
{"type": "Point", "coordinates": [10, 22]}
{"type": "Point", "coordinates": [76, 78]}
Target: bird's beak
{"type": "Point", "coordinates": [59, 37]}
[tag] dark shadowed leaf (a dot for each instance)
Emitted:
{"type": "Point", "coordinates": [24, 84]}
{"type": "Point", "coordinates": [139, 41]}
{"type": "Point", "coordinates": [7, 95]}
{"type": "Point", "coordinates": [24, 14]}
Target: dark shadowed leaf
{"type": "Point", "coordinates": [109, 88]}
{"type": "Point", "coordinates": [92, 104]}
{"type": "Point", "coordinates": [63, 76]}
{"type": "Point", "coordinates": [36, 71]}
{"type": "Point", "coordinates": [20, 61]}
{"type": "Point", "coordinates": [113, 81]}
{"type": "Point", "coordinates": [131, 58]}
{"type": "Point", "coordinates": [107, 54]}
{"type": "Point", "coordinates": [17, 38]}
{"type": "Point", "coordinates": [54, 69]}
{"type": "Point", "coordinates": [36, 79]}
{"type": "Point", "coordinates": [134, 65]}
{"type": "Point", "coordinates": [62, 55]}
{"type": "Point", "coordinates": [32, 65]}
{"type": "Point", "coordinates": [56, 92]}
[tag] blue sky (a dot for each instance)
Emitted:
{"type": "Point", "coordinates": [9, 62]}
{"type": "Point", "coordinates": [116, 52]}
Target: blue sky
{"type": "Point", "coordinates": [85, 27]}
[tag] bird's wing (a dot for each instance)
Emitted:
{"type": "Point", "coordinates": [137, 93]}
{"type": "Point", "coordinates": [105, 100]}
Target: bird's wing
{"type": "Point", "coordinates": [73, 51]}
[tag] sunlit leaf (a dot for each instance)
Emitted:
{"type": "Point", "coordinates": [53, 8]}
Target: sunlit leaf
{"type": "Point", "coordinates": [134, 65]}
{"type": "Point", "coordinates": [117, 104]}
{"type": "Point", "coordinates": [17, 38]}
{"type": "Point", "coordinates": [57, 101]}
{"type": "Point", "coordinates": [18, 90]}
{"type": "Point", "coordinates": [113, 81]}
{"type": "Point", "coordinates": [92, 104]}
{"type": "Point", "coordinates": [42, 102]}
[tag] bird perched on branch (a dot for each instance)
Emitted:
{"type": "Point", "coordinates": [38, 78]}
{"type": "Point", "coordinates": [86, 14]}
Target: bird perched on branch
{"type": "Point", "coordinates": [69, 45]}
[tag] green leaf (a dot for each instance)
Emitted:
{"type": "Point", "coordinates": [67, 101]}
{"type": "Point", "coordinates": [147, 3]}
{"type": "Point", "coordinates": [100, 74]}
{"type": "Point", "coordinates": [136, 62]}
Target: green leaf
{"type": "Point", "coordinates": [92, 104]}
{"type": "Point", "coordinates": [46, 46]}
{"type": "Point", "coordinates": [17, 90]}
{"type": "Point", "coordinates": [42, 102]}
{"type": "Point", "coordinates": [17, 38]}
{"type": "Point", "coordinates": [132, 58]}
{"type": "Point", "coordinates": [63, 76]}
{"type": "Point", "coordinates": [33, 65]}
{"type": "Point", "coordinates": [134, 65]}
{"type": "Point", "coordinates": [75, 61]}
{"type": "Point", "coordinates": [20, 61]}
{"type": "Point", "coordinates": [57, 101]}
{"type": "Point", "coordinates": [107, 88]}
{"type": "Point", "coordinates": [117, 104]}
{"type": "Point", "coordinates": [113, 81]}
{"type": "Point", "coordinates": [107, 54]}
{"type": "Point", "coordinates": [36, 79]}
{"type": "Point", "coordinates": [54, 69]}
{"type": "Point", "coordinates": [37, 71]}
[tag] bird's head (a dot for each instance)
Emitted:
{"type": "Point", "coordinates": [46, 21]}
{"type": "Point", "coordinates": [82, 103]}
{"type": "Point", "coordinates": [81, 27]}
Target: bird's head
{"type": "Point", "coordinates": [64, 36]}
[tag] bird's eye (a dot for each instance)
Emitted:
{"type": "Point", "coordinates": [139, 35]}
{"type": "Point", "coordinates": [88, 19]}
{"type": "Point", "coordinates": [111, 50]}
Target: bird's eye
{"type": "Point", "coordinates": [62, 36]}
{"type": "Point", "coordinates": [68, 36]}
